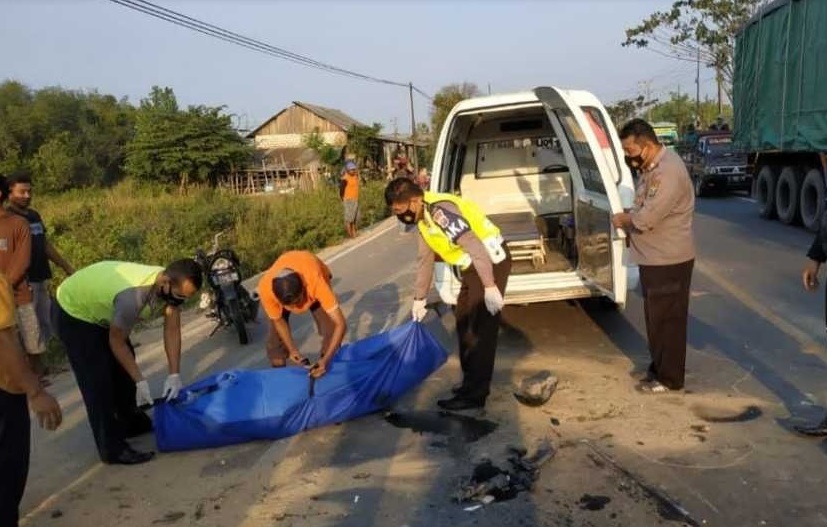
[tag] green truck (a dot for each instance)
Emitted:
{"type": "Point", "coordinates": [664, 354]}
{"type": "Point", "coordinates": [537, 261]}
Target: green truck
{"type": "Point", "coordinates": [780, 105]}
{"type": "Point", "coordinates": [667, 133]}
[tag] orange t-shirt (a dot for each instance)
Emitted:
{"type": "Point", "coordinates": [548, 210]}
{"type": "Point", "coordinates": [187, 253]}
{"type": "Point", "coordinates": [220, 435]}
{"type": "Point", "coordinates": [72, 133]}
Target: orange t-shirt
{"type": "Point", "coordinates": [351, 186]}
{"type": "Point", "coordinates": [315, 276]}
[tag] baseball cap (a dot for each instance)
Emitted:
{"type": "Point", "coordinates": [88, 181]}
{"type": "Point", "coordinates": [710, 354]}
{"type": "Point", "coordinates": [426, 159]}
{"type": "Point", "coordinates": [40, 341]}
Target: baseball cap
{"type": "Point", "coordinates": [350, 165]}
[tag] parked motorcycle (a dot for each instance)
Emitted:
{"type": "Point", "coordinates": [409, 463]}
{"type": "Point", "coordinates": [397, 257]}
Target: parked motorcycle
{"type": "Point", "coordinates": [225, 297]}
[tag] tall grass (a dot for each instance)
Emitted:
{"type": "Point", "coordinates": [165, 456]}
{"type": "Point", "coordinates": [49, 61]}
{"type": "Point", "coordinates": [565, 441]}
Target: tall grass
{"type": "Point", "coordinates": [151, 225]}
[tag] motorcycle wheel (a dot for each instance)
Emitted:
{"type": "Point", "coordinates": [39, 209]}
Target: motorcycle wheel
{"type": "Point", "coordinates": [236, 315]}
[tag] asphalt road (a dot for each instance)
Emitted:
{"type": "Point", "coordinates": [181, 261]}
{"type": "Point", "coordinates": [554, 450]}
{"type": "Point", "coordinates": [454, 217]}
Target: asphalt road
{"type": "Point", "coordinates": [756, 359]}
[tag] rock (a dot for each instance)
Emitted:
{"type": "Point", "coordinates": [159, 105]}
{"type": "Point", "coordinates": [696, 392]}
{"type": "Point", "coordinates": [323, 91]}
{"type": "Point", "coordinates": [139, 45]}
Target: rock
{"type": "Point", "coordinates": [537, 389]}
{"type": "Point", "coordinates": [57, 513]}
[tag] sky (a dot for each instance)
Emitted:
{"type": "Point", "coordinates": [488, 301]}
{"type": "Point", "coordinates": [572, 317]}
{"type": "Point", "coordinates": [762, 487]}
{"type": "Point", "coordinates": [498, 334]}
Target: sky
{"type": "Point", "coordinates": [510, 45]}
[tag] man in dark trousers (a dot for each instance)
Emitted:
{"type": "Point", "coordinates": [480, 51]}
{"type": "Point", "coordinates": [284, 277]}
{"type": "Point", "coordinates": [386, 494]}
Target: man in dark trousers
{"type": "Point", "coordinates": [458, 231]}
{"type": "Point", "coordinates": [19, 385]}
{"type": "Point", "coordinates": [662, 244]}
{"type": "Point", "coordinates": [99, 307]}
{"type": "Point", "coordinates": [816, 256]}
{"type": "Point", "coordinates": [35, 318]}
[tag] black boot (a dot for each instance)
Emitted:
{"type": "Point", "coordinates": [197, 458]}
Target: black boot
{"type": "Point", "coordinates": [818, 430]}
{"type": "Point", "coordinates": [461, 402]}
{"type": "Point", "coordinates": [130, 456]}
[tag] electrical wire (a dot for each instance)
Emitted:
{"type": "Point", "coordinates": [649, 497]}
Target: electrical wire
{"type": "Point", "coordinates": [231, 37]}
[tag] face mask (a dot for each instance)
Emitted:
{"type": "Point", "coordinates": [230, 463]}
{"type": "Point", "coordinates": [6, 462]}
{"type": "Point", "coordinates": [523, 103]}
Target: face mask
{"type": "Point", "coordinates": [169, 298]}
{"type": "Point", "coordinates": [634, 162]}
{"type": "Point", "coordinates": [408, 217]}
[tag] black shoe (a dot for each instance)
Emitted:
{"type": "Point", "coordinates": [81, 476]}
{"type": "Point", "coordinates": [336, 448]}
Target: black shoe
{"type": "Point", "coordinates": [461, 403]}
{"type": "Point", "coordinates": [818, 430]}
{"type": "Point", "coordinates": [458, 388]}
{"type": "Point", "coordinates": [130, 456]}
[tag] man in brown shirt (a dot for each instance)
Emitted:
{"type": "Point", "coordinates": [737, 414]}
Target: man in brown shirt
{"type": "Point", "coordinates": [15, 258]}
{"type": "Point", "coordinates": [18, 385]}
{"type": "Point", "coordinates": [662, 244]}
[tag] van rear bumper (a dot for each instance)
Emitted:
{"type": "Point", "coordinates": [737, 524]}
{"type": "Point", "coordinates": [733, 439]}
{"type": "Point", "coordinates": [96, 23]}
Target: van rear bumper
{"type": "Point", "coordinates": [530, 289]}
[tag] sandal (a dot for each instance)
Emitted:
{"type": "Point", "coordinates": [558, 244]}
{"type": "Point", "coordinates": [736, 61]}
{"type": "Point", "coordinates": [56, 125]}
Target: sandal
{"type": "Point", "coordinates": [652, 387]}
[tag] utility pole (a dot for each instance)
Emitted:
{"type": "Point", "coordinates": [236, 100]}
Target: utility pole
{"type": "Point", "coordinates": [719, 78]}
{"type": "Point", "coordinates": [489, 88]}
{"type": "Point", "coordinates": [698, 88]}
{"type": "Point", "coordinates": [413, 132]}
{"type": "Point", "coordinates": [648, 85]}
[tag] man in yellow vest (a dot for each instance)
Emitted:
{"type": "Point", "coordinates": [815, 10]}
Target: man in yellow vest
{"type": "Point", "coordinates": [459, 233]}
{"type": "Point", "coordinates": [99, 307]}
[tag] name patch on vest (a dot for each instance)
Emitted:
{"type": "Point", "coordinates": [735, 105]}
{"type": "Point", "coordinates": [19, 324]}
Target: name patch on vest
{"type": "Point", "coordinates": [453, 225]}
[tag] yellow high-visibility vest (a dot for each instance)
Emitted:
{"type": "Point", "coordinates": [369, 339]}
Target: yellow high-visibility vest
{"type": "Point", "coordinates": [437, 231]}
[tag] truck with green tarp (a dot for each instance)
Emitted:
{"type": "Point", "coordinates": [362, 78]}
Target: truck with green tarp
{"type": "Point", "coordinates": [780, 105]}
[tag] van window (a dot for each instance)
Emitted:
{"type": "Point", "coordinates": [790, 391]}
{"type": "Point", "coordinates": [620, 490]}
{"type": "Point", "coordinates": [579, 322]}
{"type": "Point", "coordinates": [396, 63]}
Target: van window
{"type": "Point", "coordinates": [592, 179]}
{"type": "Point", "coordinates": [520, 156]}
{"type": "Point", "coordinates": [600, 129]}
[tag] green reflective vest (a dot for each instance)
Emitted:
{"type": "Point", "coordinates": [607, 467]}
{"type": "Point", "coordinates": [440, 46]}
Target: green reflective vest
{"type": "Point", "coordinates": [89, 294]}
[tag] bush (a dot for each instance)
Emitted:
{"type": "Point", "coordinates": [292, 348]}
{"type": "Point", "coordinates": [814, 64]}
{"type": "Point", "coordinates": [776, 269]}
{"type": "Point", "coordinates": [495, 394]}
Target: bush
{"type": "Point", "coordinates": [148, 224]}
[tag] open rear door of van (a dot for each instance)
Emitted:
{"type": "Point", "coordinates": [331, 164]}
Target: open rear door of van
{"type": "Point", "coordinates": [599, 245]}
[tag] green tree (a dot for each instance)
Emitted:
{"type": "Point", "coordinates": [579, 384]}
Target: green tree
{"type": "Point", "coordinates": [363, 144]}
{"type": "Point", "coordinates": [446, 98]}
{"type": "Point", "coordinates": [183, 147]}
{"type": "Point", "coordinates": [626, 109]}
{"type": "Point", "coordinates": [693, 28]}
{"type": "Point", "coordinates": [329, 155]}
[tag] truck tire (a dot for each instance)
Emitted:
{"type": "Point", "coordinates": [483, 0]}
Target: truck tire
{"type": "Point", "coordinates": [787, 194]}
{"type": "Point", "coordinates": [765, 192]}
{"type": "Point", "coordinates": [812, 199]}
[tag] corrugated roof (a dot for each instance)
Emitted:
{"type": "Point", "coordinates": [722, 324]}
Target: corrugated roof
{"type": "Point", "coordinates": [337, 117]}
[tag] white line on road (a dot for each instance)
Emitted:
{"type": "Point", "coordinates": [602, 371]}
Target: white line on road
{"type": "Point", "coordinates": [750, 200]}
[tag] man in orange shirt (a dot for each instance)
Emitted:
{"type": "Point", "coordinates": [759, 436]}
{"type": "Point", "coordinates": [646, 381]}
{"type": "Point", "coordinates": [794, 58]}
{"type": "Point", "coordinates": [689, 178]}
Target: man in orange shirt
{"type": "Point", "coordinates": [296, 283]}
{"type": "Point", "coordinates": [349, 192]}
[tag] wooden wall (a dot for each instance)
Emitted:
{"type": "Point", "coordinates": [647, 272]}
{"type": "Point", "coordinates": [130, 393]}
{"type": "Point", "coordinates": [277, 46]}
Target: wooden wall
{"type": "Point", "coordinates": [296, 120]}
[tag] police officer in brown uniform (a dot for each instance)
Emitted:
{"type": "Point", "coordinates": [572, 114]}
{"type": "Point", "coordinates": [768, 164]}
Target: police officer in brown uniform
{"type": "Point", "coordinates": [662, 243]}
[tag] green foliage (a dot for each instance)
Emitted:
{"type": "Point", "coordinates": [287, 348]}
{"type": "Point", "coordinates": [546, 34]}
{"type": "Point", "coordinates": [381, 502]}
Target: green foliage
{"type": "Point", "coordinates": [680, 109]}
{"type": "Point", "coordinates": [690, 27]}
{"type": "Point", "coordinates": [329, 155]}
{"type": "Point", "coordinates": [445, 99]}
{"type": "Point", "coordinates": [140, 222]}
{"type": "Point", "coordinates": [182, 147]}
{"type": "Point", "coordinates": [64, 138]}
{"type": "Point", "coordinates": [626, 109]}
{"type": "Point", "coordinates": [362, 143]}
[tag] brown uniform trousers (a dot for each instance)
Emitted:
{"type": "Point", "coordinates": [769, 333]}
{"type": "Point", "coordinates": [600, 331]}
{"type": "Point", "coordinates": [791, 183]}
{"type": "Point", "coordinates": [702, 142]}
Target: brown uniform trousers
{"type": "Point", "coordinates": [478, 329]}
{"type": "Point", "coordinates": [666, 308]}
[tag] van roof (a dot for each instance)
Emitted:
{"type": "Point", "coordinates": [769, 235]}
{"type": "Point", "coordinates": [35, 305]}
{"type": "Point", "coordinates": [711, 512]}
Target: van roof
{"type": "Point", "coordinates": [488, 101]}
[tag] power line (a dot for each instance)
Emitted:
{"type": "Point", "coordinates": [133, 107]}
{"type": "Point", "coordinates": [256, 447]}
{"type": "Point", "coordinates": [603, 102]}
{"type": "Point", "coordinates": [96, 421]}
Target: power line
{"type": "Point", "coordinates": [220, 33]}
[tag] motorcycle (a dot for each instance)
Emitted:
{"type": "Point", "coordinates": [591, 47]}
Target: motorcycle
{"type": "Point", "coordinates": [226, 298]}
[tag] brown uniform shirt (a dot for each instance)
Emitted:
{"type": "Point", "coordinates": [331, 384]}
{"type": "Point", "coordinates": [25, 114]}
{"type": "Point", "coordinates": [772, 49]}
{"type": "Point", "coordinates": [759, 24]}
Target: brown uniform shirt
{"type": "Point", "coordinates": [15, 254]}
{"type": "Point", "coordinates": [662, 216]}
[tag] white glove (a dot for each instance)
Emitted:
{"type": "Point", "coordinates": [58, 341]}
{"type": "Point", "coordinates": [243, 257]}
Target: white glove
{"type": "Point", "coordinates": [142, 394]}
{"type": "Point", "coordinates": [493, 300]}
{"type": "Point", "coordinates": [419, 311]}
{"type": "Point", "coordinates": [172, 386]}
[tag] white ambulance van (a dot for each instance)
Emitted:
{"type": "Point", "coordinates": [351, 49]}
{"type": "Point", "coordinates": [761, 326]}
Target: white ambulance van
{"type": "Point", "coordinates": [546, 166]}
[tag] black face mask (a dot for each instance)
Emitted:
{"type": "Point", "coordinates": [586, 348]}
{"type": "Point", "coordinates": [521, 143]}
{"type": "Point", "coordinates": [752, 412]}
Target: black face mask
{"type": "Point", "coordinates": [408, 217]}
{"type": "Point", "coordinates": [170, 299]}
{"type": "Point", "coordinates": [634, 162]}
